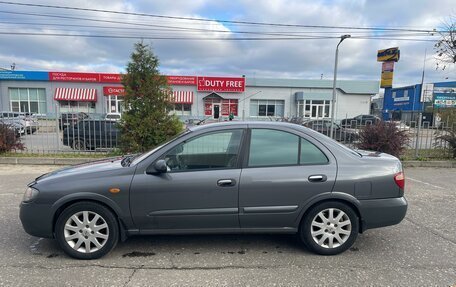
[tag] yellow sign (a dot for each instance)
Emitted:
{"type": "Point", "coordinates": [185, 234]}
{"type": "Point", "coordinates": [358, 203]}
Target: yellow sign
{"type": "Point", "coordinates": [387, 80]}
{"type": "Point", "coordinates": [390, 54]}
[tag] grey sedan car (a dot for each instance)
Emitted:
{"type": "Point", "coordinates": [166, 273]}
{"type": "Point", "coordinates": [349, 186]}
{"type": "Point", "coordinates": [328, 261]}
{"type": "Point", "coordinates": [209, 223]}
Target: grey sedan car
{"type": "Point", "coordinates": [232, 177]}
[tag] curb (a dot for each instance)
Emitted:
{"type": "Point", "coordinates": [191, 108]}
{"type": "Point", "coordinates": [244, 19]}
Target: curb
{"type": "Point", "coordinates": [73, 161]}
{"type": "Point", "coordinates": [44, 160]}
{"type": "Point", "coordinates": [437, 164]}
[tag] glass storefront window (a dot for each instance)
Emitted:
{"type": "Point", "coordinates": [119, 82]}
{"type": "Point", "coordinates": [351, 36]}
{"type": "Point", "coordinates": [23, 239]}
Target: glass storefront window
{"type": "Point", "coordinates": [76, 107]}
{"type": "Point", "coordinates": [114, 104]}
{"type": "Point", "coordinates": [314, 109]}
{"type": "Point", "coordinates": [181, 109]}
{"type": "Point", "coordinates": [28, 100]}
{"type": "Point", "coordinates": [267, 108]}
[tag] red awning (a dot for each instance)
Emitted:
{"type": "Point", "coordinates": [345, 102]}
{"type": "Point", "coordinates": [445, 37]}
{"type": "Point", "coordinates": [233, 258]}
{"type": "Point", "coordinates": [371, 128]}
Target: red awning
{"type": "Point", "coordinates": [73, 94]}
{"type": "Point", "coordinates": [182, 97]}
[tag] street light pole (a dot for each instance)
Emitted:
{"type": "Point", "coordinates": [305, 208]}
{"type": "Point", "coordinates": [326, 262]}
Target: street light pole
{"type": "Point", "coordinates": [333, 102]}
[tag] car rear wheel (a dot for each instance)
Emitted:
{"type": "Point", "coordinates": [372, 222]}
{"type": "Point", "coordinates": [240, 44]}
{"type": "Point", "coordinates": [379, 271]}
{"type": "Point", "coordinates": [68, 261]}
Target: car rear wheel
{"type": "Point", "coordinates": [79, 144]}
{"type": "Point", "coordinates": [87, 230]}
{"type": "Point", "coordinates": [329, 228]}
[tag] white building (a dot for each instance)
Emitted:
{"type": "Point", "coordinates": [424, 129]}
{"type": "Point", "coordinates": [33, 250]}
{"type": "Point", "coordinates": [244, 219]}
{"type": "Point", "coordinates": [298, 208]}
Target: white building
{"type": "Point", "coordinates": [51, 93]}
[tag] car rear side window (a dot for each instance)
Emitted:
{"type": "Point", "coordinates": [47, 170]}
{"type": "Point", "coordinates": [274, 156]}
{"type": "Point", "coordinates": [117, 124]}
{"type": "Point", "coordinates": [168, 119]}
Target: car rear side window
{"type": "Point", "coordinates": [273, 148]}
{"type": "Point", "coordinates": [310, 154]}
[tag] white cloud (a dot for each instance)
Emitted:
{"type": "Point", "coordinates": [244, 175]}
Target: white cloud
{"type": "Point", "coordinates": [285, 58]}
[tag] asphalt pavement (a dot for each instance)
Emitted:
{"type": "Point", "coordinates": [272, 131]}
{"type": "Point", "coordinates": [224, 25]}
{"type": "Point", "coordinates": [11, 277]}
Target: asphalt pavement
{"type": "Point", "coordinates": [420, 251]}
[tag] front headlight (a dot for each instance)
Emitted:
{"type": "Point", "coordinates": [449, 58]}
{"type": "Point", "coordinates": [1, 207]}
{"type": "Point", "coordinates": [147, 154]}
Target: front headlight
{"type": "Point", "coordinates": [30, 194]}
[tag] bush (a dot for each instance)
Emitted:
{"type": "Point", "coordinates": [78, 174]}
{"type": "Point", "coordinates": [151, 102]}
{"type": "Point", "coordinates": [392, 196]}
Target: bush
{"type": "Point", "coordinates": [449, 137]}
{"type": "Point", "coordinates": [8, 139]}
{"type": "Point", "coordinates": [383, 137]}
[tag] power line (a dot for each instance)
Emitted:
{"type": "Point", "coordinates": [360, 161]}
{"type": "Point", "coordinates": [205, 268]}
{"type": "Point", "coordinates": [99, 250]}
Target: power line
{"type": "Point", "coordinates": [161, 38]}
{"type": "Point", "coordinates": [161, 28]}
{"type": "Point", "coordinates": [198, 38]}
{"type": "Point", "coordinates": [214, 20]}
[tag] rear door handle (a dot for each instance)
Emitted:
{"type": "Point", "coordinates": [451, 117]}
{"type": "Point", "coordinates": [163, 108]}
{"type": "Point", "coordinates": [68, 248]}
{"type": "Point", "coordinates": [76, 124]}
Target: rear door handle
{"type": "Point", "coordinates": [226, 182]}
{"type": "Point", "coordinates": [318, 178]}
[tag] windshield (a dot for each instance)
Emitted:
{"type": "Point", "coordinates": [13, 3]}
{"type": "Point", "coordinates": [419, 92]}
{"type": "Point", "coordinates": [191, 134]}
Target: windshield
{"type": "Point", "coordinates": [140, 157]}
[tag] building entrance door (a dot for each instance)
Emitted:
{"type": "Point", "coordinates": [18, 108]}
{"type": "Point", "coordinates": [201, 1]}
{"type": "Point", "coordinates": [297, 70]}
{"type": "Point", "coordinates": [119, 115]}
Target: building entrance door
{"type": "Point", "coordinates": [216, 111]}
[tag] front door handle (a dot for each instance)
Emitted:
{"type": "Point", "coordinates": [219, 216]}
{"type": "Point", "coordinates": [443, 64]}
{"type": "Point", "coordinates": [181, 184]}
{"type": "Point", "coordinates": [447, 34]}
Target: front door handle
{"type": "Point", "coordinates": [226, 182]}
{"type": "Point", "coordinates": [318, 178]}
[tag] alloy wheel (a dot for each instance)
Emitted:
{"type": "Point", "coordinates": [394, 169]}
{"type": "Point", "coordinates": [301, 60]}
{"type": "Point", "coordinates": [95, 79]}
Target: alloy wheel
{"type": "Point", "coordinates": [86, 231]}
{"type": "Point", "coordinates": [331, 228]}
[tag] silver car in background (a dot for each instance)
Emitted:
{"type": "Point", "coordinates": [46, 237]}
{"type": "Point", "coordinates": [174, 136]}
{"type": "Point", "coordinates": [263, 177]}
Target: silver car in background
{"type": "Point", "coordinates": [231, 177]}
{"type": "Point", "coordinates": [28, 121]}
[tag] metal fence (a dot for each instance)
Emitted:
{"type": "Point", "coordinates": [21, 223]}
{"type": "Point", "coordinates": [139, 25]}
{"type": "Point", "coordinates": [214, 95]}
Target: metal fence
{"type": "Point", "coordinates": [89, 133]}
{"type": "Point", "coordinates": [67, 132]}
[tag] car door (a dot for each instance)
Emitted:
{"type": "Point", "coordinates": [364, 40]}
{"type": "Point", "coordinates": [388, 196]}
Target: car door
{"type": "Point", "coordinates": [282, 172]}
{"type": "Point", "coordinates": [200, 189]}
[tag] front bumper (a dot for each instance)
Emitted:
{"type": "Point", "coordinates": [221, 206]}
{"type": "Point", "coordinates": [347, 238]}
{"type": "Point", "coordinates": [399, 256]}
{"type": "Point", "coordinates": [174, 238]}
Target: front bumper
{"type": "Point", "coordinates": [36, 219]}
{"type": "Point", "coordinates": [382, 212]}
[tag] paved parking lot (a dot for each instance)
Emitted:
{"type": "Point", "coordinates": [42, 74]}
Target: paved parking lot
{"type": "Point", "coordinates": [421, 251]}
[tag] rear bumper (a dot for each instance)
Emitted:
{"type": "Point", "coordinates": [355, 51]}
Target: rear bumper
{"type": "Point", "coordinates": [382, 212]}
{"type": "Point", "coordinates": [36, 219]}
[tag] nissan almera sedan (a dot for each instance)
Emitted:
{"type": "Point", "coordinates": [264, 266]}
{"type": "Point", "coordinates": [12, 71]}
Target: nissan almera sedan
{"type": "Point", "coordinates": [242, 177]}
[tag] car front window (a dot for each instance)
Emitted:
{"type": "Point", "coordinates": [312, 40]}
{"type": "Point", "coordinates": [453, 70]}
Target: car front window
{"type": "Point", "coordinates": [217, 150]}
{"type": "Point", "coordinates": [145, 155]}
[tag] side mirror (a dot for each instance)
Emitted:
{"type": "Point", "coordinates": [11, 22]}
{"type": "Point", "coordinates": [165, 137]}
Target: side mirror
{"type": "Point", "coordinates": [158, 167]}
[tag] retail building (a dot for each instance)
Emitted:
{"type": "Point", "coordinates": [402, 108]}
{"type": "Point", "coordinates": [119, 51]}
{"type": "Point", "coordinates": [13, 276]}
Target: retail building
{"type": "Point", "coordinates": [51, 93]}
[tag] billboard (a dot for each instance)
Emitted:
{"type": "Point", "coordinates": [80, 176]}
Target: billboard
{"type": "Point", "coordinates": [387, 55]}
{"type": "Point", "coordinates": [444, 97]}
{"type": "Point", "coordinates": [387, 75]}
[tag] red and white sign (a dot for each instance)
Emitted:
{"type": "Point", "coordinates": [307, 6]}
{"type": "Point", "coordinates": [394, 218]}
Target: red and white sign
{"type": "Point", "coordinates": [110, 78]}
{"type": "Point", "coordinates": [73, 77]}
{"type": "Point", "coordinates": [208, 84]}
{"type": "Point", "coordinates": [387, 66]}
{"type": "Point", "coordinates": [221, 84]}
{"type": "Point", "coordinates": [181, 80]}
{"type": "Point", "coordinates": [114, 91]}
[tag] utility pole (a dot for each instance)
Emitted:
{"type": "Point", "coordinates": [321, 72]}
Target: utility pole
{"type": "Point", "coordinates": [420, 114]}
{"type": "Point", "coordinates": [333, 102]}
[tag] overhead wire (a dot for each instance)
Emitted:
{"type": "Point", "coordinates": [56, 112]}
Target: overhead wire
{"type": "Point", "coordinates": [212, 20]}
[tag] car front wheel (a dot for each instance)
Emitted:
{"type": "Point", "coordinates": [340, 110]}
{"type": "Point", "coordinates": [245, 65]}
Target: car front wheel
{"type": "Point", "coordinates": [87, 230]}
{"type": "Point", "coordinates": [329, 228]}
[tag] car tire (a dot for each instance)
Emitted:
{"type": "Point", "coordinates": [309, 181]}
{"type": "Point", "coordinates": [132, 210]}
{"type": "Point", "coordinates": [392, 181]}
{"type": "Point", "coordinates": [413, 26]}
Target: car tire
{"type": "Point", "coordinates": [87, 230]}
{"type": "Point", "coordinates": [329, 228]}
{"type": "Point", "coordinates": [79, 144]}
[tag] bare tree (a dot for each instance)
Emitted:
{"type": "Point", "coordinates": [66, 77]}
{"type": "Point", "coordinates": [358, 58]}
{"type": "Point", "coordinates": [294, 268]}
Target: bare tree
{"type": "Point", "coordinates": [446, 47]}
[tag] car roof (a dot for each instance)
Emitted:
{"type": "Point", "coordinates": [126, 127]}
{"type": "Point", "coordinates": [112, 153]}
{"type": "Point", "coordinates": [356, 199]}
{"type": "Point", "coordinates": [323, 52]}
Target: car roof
{"type": "Point", "coordinates": [242, 124]}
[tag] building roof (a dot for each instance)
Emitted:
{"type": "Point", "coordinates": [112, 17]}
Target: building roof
{"type": "Point", "coordinates": [347, 86]}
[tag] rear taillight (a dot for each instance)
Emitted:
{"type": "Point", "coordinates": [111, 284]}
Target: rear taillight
{"type": "Point", "coordinates": [399, 179]}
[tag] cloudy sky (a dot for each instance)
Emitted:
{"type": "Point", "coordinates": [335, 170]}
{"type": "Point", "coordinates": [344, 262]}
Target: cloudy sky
{"type": "Point", "coordinates": [29, 37]}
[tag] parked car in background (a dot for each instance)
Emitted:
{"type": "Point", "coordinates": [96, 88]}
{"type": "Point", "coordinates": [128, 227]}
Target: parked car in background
{"type": "Point", "coordinates": [18, 128]}
{"type": "Point", "coordinates": [113, 116]}
{"type": "Point", "coordinates": [340, 134]}
{"type": "Point", "coordinates": [68, 119]}
{"type": "Point", "coordinates": [28, 121]}
{"type": "Point", "coordinates": [230, 177]}
{"type": "Point", "coordinates": [92, 134]}
{"type": "Point", "coordinates": [402, 126]}
{"type": "Point", "coordinates": [360, 120]}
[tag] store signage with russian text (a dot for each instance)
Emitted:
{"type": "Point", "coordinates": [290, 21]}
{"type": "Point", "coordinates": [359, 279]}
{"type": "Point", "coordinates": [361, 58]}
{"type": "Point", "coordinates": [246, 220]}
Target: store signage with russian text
{"type": "Point", "coordinates": [24, 76]}
{"type": "Point", "coordinates": [181, 80]}
{"type": "Point", "coordinates": [221, 84]}
{"type": "Point", "coordinates": [73, 77]}
{"type": "Point", "coordinates": [110, 78]}
{"type": "Point", "coordinates": [114, 91]}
